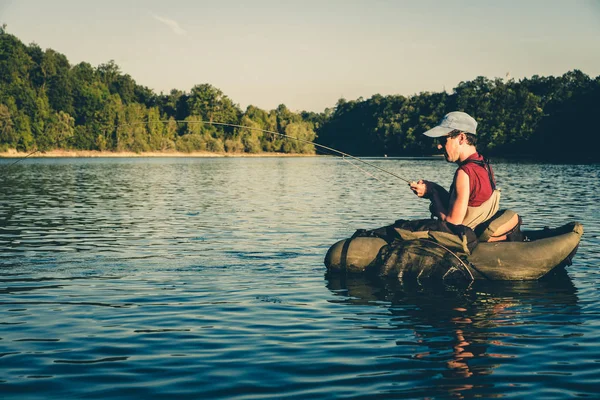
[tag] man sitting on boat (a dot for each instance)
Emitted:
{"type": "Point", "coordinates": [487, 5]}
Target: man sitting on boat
{"type": "Point", "coordinates": [468, 213]}
{"type": "Point", "coordinates": [454, 247]}
{"type": "Point", "coordinates": [473, 197]}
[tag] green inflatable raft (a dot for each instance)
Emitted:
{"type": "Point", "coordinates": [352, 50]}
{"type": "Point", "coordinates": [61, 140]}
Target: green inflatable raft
{"type": "Point", "coordinates": [426, 255]}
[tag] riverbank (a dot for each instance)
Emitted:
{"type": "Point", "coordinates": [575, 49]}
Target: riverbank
{"type": "Point", "coordinates": [11, 153]}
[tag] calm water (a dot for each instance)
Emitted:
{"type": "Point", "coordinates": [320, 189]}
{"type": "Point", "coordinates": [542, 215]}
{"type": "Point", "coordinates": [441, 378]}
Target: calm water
{"type": "Point", "coordinates": [204, 278]}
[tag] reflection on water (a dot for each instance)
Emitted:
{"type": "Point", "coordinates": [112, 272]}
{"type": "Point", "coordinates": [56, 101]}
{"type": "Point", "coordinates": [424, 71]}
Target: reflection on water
{"type": "Point", "coordinates": [456, 331]}
{"type": "Point", "coordinates": [204, 278]}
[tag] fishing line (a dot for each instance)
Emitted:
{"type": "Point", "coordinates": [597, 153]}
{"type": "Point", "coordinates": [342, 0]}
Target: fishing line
{"type": "Point", "coordinates": [363, 170]}
{"type": "Point", "coordinates": [320, 146]}
{"type": "Point", "coordinates": [341, 153]}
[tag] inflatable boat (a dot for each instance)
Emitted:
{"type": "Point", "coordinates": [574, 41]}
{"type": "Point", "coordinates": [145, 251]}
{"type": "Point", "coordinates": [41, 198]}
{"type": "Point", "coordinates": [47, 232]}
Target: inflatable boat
{"type": "Point", "coordinates": [441, 256]}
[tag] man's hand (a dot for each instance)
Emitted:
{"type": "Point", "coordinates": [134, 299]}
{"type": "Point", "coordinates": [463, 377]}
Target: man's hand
{"type": "Point", "coordinates": [422, 188]}
{"type": "Point", "coordinates": [440, 198]}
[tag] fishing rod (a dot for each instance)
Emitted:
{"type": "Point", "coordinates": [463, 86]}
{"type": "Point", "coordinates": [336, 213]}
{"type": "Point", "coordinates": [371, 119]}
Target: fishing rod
{"type": "Point", "coordinates": [330, 149]}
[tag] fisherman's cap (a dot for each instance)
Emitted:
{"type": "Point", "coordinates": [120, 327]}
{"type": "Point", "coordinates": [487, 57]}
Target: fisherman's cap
{"type": "Point", "coordinates": [454, 120]}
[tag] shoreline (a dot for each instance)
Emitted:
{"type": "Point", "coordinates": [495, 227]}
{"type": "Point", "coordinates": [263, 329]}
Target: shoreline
{"type": "Point", "coordinates": [14, 154]}
{"type": "Point", "coordinates": [11, 153]}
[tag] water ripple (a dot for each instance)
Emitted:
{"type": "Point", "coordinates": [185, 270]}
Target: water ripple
{"type": "Point", "coordinates": [155, 278]}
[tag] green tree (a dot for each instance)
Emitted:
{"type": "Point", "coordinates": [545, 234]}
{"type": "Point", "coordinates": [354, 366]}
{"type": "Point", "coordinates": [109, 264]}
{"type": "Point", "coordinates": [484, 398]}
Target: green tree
{"type": "Point", "coordinates": [304, 133]}
{"type": "Point", "coordinates": [56, 68]}
{"type": "Point", "coordinates": [22, 123]}
{"type": "Point", "coordinates": [156, 130]}
{"type": "Point", "coordinates": [170, 135]}
{"type": "Point", "coordinates": [40, 118]}
{"type": "Point", "coordinates": [133, 133]}
{"type": "Point", "coordinates": [8, 138]}
{"type": "Point", "coordinates": [250, 137]}
{"type": "Point", "coordinates": [145, 96]}
{"type": "Point", "coordinates": [194, 138]}
{"type": "Point", "coordinates": [212, 105]}
{"type": "Point", "coordinates": [58, 130]}
{"type": "Point", "coordinates": [124, 86]}
{"type": "Point", "coordinates": [267, 121]}
{"type": "Point", "coordinates": [89, 94]}
{"type": "Point", "coordinates": [108, 74]}
{"type": "Point", "coordinates": [107, 123]}
{"type": "Point", "coordinates": [174, 105]}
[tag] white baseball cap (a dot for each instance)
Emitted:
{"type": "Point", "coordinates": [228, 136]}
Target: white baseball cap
{"type": "Point", "coordinates": [454, 120]}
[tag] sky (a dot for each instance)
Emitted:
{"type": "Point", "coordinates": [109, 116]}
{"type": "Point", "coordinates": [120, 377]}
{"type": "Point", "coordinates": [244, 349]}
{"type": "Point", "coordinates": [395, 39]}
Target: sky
{"type": "Point", "coordinates": [308, 54]}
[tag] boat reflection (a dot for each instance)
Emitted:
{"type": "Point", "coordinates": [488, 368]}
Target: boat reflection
{"type": "Point", "coordinates": [463, 333]}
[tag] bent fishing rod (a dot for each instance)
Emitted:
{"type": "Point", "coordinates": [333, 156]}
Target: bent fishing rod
{"type": "Point", "coordinates": [330, 149]}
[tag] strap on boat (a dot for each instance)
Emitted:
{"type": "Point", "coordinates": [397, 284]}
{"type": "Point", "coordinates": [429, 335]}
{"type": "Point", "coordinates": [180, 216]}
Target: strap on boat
{"type": "Point", "coordinates": [344, 256]}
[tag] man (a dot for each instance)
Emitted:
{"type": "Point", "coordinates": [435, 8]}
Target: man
{"type": "Point", "coordinates": [473, 197]}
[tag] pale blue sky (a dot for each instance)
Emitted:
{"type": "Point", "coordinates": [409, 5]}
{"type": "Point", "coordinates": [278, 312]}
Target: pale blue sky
{"type": "Point", "coordinates": [307, 54]}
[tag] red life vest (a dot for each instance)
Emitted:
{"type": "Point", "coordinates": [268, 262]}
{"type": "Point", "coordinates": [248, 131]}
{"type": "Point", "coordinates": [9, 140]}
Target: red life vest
{"type": "Point", "coordinates": [481, 179]}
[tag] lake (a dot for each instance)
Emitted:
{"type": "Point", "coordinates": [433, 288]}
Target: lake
{"type": "Point", "coordinates": [204, 278]}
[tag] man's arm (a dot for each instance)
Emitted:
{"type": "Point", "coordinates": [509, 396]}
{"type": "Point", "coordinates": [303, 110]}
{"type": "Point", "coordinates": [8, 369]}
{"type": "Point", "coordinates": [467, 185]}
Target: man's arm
{"type": "Point", "coordinates": [460, 201]}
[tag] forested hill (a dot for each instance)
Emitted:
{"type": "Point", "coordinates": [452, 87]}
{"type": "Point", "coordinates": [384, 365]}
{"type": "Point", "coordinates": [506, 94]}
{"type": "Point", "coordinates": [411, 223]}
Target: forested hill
{"type": "Point", "coordinates": [549, 118]}
{"type": "Point", "coordinates": [47, 103]}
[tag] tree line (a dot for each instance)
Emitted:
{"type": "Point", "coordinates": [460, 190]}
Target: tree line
{"type": "Point", "coordinates": [47, 103]}
{"type": "Point", "coordinates": [549, 118]}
